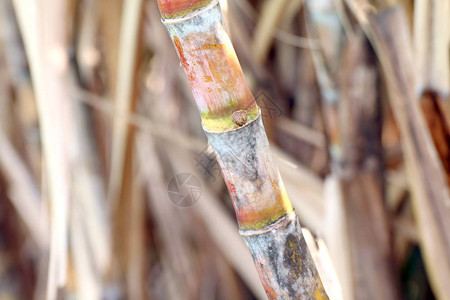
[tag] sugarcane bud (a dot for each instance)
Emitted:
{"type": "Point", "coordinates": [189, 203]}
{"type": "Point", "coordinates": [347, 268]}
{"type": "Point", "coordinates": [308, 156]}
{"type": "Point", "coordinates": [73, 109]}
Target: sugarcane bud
{"type": "Point", "coordinates": [239, 117]}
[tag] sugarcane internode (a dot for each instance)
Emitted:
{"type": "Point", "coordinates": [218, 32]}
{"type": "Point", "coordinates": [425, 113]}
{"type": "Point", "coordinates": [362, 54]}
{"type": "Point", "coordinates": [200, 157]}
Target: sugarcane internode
{"type": "Point", "coordinates": [232, 122]}
{"type": "Point", "coordinates": [178, 8]}
{"type": "Point", "coordinates": [212, 67]}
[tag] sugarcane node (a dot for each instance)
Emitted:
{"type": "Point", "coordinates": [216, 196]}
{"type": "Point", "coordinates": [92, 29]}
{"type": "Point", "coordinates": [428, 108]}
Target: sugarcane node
{"type": "Point", "coordinates": [239, 117]}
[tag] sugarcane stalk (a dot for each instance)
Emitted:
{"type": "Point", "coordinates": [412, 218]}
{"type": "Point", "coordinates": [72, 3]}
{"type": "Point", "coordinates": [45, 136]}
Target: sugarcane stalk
{"type": "Point", "coordinates": [232, 122]}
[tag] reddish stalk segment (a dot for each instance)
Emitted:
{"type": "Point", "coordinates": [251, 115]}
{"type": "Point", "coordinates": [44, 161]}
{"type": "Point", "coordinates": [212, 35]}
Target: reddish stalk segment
{"type": "Point", "coordinates": [178, 8]}
{"type": "Point", "coordinates": [232, 122]}
{"type": "Point", "coordinates": [212, 68]}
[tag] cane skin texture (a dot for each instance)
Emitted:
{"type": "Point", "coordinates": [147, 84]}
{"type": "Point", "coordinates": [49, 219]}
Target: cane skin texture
{"type": "Point", "coordinates": [177, 8]}
{"type": "Point", "coordinates": [212, 69]}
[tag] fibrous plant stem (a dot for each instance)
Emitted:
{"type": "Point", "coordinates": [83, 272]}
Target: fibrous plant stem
{"type": "Point", "coordinates": [232, 122]}
{"type": "Point", "coordinates": [429, 194]}
{"type": "Point", "coordinates": [348, 79]}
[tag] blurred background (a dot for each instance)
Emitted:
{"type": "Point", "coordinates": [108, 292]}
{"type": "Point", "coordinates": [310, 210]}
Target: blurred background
{"type": "Point", "coordinates": [97, 120]}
